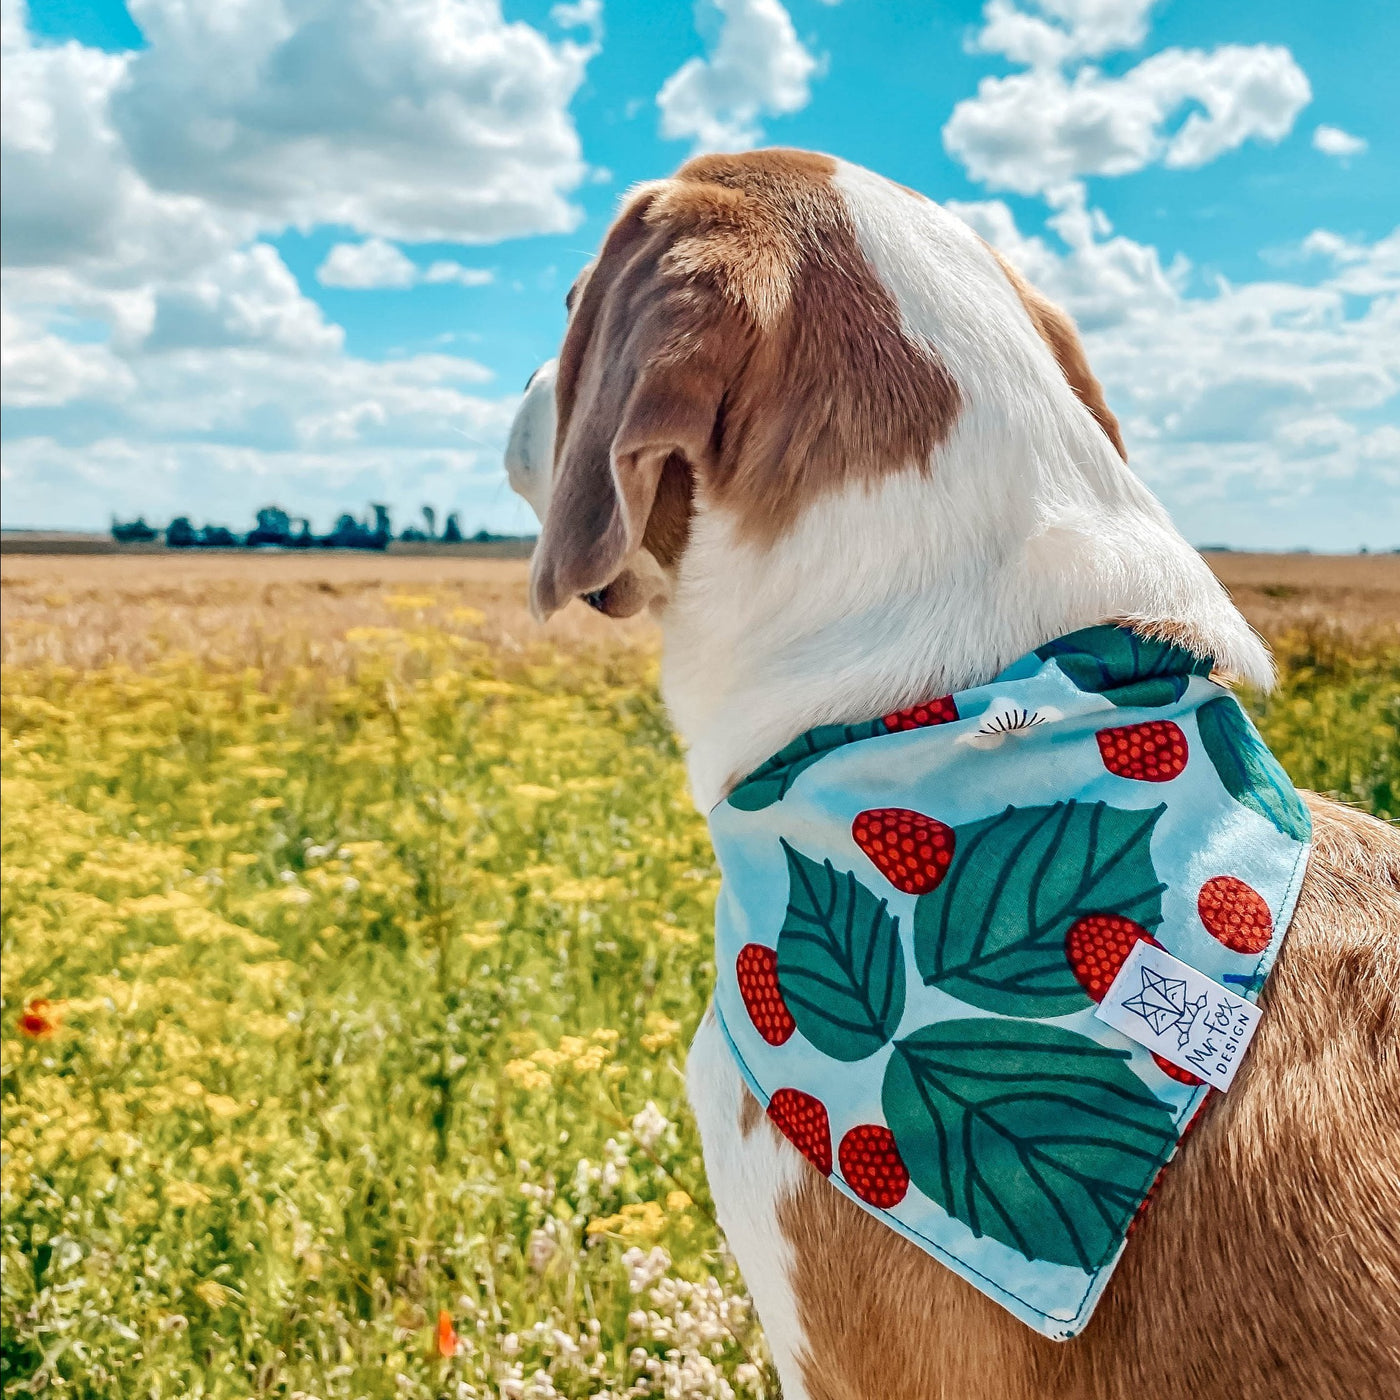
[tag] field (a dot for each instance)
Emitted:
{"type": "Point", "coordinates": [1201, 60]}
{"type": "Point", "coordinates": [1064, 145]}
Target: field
{"type": "Point", "coordinates": [354, 931]}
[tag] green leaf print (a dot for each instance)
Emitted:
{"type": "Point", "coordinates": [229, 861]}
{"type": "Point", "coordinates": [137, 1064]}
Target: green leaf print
{"type": "Point", "coordinates": [769, 782]}
{"type": "Point", "coordinates": [993, 933]}
{"type": "Point", "coordinates": [1031, 1134]}
{"type": "Point", "coordinates": [1123, 666]}
{"type": "Point", "coordinates": [840, 963]}
{"type": "Point", "coordinates": [1249, 772]}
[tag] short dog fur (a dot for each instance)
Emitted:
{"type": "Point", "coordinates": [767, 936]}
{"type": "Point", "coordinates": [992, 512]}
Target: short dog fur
{"type": "Point", "coordinates": [851, 460]}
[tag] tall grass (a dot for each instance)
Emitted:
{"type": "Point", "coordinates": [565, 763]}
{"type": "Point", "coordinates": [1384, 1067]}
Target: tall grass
{"type": "Point", "coordinates": [1334, 718]}
{"type": "Point", "coordinates": [345, 1005]}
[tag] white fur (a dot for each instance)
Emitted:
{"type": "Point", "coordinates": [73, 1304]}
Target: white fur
{"type": "Point", "coordinates": [749, 1177]}
{"type": "Point", "coordinates": [530, 447]}
{"type": "Point", "coordinates": [1026, 525]}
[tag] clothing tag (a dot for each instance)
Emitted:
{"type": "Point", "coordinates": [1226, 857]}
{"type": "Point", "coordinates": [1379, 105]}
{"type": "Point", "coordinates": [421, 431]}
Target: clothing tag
{"type": "Point", "coordinates": [1180, 1014]}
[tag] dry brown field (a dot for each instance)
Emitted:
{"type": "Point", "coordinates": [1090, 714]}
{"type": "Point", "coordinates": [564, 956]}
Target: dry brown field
{"type": "Point", "coordinates": [268, 609]}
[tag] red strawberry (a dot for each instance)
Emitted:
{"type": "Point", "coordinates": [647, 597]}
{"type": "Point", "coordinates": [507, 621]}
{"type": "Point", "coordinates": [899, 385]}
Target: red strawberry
{"type": "Point", "coordinates": [1182, 1076]}
{"type": "Point", "coordinates": [1097, 946]}
{"type": "Point", "coordinates": [802, 1120]}
{"type": "Point", "coordinates": [944, 710]}
{"type": "Point", "coordinates": [1235, 914]}
{"type": "Point", "coordinates": [756, 969]}
{"type": "Point", "coordinates": [872, 1166]}
{"type": "Point", "coordinates": [911, 851]}
{"type": "Point", "coordinates": [1151, 753]}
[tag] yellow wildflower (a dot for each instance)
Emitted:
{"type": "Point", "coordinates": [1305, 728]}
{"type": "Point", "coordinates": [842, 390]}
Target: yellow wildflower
{"type": "Point", "coordinates": [661, 1031]}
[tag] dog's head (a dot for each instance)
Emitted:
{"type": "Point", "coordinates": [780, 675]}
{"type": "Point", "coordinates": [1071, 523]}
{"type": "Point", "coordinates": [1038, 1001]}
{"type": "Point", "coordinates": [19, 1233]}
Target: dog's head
{"type": "Point", "coordinates": [735, 348]}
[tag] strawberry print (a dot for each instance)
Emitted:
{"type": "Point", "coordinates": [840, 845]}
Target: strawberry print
{"type": "Point", "coordinates": [756, 970]}
{"type": "Point", "coordinates": [872, 1167]}
{"type": "Point", "coordinates": [1097, 946]}
{"type": "Point", "coordinates": [1182, 1076]}
{"type": "Point", "coordinates": [1235, 914]}
{"type": "Point", "coordinates": [910, 850]}
{"type": "Point", "coordinates": [1151, 753]}
{"type": "Point", "coordinates": [803, 1121]}
{"type": "Point", "coordinates": [944, 710]}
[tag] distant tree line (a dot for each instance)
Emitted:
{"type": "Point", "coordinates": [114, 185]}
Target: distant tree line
{"type": "Point", "coordinates": [278, 530]}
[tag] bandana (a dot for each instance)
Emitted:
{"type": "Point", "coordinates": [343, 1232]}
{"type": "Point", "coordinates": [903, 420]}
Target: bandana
{"type": "Point", "coordinates": [932, 926]}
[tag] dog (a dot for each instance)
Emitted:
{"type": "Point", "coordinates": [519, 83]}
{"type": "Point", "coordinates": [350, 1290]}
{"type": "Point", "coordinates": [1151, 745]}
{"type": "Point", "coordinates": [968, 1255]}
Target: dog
{"type": "Point", "coordinates": [851, 460]}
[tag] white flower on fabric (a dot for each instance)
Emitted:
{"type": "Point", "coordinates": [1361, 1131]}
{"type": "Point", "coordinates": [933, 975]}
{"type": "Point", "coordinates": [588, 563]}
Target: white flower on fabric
{"type": "Point", "coordinates": [1003, 720]}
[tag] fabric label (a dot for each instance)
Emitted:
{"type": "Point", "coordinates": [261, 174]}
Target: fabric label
{"type": "Point", "coordinates": [1180, 1014]}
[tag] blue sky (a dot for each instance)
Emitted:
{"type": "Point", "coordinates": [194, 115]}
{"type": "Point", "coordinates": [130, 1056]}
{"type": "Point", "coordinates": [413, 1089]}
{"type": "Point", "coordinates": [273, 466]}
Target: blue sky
{"type": "Point", "coordinates": [308, 251]}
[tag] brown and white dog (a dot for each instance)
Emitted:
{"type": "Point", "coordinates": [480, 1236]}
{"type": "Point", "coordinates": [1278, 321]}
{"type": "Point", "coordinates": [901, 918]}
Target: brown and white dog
{"type": "Point", "coordinates": [851, 461]}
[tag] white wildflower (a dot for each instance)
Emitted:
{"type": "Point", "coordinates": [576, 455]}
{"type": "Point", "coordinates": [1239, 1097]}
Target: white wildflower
{"type": "Point", "coordinates": [645, 1268]}
{"type": "Point", "coordinates": [540, 1250]}
{"type": "Point", "coordinates": [648, 1125]}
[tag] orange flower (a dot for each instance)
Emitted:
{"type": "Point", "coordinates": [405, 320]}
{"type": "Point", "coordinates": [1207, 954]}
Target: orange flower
{"type": "Point", "coordinates": [41, 1018]}
{"type": "Point", "coordinates": [447, 1339]}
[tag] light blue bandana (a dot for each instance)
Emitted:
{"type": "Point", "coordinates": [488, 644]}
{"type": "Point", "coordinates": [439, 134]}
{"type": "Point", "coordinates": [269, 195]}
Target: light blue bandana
{"type": "Point", "coordinates": [921, 923]}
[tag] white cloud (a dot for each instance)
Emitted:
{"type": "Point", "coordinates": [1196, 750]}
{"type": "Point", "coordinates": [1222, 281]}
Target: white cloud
{"type": "Point", "coordinates": [72, 197]}
{"type": "Point", "coordinates": [445, 270]}
{"type": "Point", "coordinates": [581, 14]}
{"type": "Point", "coordinates": [1102, 279]}
{"type": "Point", "coordinates": [247, 297]}
{"type": "Point", "coordinates": [1054, 32]}
{"type": "Point", "coordinates": [139, 300]}
{"type": "Point", "coordinates": [376, 264]}
{"type": "Point", "coordinates": [1361, 269]}
{"type": "Point", "coordinates": [411, 119]}
{"type": "Point", "coordinates": [151, 430]}
{"type": "Point", "coordinates": [43, 370]}
{"type": "Point", "coordinates": [756, 66]}
{"type": "Point", "coordinates": [1333, 141]}
{"type": "Point", "coordinates": [1269, 389]}
{"type": "Point", "coordinates": [373, 263]}
{"type": "Point", "coordinates": [1036, 131]}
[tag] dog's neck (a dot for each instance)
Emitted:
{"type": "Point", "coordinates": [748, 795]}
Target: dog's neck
{"type": "Point", "coordinates": [926, 584]}
{"type": "Point", "coordinates": [1025, 525]}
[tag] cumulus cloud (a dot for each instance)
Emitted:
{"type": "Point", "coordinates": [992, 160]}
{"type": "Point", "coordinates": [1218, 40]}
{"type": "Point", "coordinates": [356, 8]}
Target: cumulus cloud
{"type": "Point", "coordinates": [1034, 131]}
{"type": "Point", "coordinates": [1102, 277]}
{"type": "Point", "coordinates": [195, 419]}
{"type": "Point", "coordinates": [145, 322]}
{"type": "Point", "coordinates": [757, 66]}
{"type": "Point", "coordinates": [1262, 391]}
{"type": "Point", "coordinates": [1358, 268]}
{"type": "Point", "coordinates": [44, 370]}
{"type": "Point", "coordinates": [371, 264]}
{"type": "Point", "coordinates": [413, 119]}
{"type": "Point", "coordinates": [1053, 32]}
{"type": "Point", "coordinates": [376, 264]}
{"type": "Point", "coordinates": [1333, 141]}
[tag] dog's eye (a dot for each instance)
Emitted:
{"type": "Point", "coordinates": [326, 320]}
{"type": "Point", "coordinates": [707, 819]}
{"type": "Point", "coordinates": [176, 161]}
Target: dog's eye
{"type": "Point", "coordinates": [570, 297]}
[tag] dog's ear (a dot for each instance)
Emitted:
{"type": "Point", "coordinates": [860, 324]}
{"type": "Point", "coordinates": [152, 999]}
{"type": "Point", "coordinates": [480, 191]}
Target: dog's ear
{"type": "Point", "coordinates": [641, 377]}
{"type": "Point", "coordinates": [1058, 331]}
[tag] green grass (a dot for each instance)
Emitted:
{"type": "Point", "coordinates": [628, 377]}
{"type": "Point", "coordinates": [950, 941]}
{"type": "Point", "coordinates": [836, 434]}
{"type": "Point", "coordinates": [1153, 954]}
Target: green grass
{"type": "Point", "coordinates": [367, 1000]}
{"type": "Point", "coordinates": [1334, 719]}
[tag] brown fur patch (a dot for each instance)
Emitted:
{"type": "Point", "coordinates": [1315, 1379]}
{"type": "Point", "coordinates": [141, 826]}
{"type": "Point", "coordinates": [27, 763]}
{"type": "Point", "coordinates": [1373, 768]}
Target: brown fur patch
{"type": "Point", "coordinates": [750, 1113]}
{"type": "Point", "coordinates": [1058, 332]}
{"type": "Point", "coordinates": [1268, 1265]}
{"type": "Point", "coordinates": [731, 340]}
{"type": "Point", "coordinates": [830, 390]}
